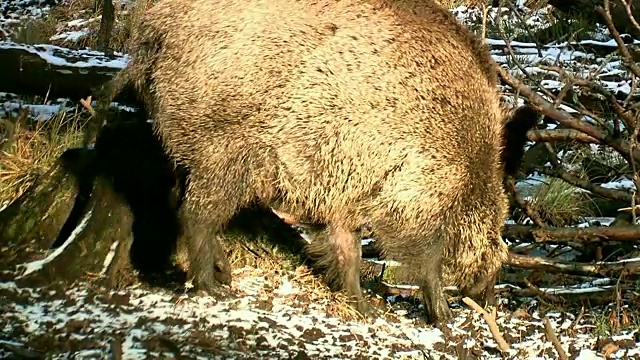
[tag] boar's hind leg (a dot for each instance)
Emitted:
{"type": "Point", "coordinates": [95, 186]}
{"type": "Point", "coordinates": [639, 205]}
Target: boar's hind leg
{"type": "Point", "coordinates": [338, 252]}
{"type": "Point", "coordinates": [205, 212]}
{"type": "Point", "coordinates": [436, 306]}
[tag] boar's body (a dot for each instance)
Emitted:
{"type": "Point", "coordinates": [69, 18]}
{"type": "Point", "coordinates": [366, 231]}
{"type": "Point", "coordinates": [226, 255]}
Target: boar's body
{"type": "Point", "coordinates": [337, 111]}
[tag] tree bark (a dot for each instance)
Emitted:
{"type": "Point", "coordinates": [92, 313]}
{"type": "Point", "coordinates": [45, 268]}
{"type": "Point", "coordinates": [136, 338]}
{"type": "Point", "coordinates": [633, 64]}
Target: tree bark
{"type": "Point", "coordinates": [98, 247]}
{"type": "Point", "coordinates": [106, 26]}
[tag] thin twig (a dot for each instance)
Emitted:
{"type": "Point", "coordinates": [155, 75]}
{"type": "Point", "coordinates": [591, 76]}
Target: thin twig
{"type": "Point", "coordinates": [491, 321]}
{"type": "Point", "coordinates": [627, 5]}
{"type": "Point", "coordinates": [87, 105]}
{"type": "Point", "coordinates": [524, 205]}
{"type": "Point", "coordinates": [627, 59]}
{"type": "Point", "coordinates": [551, 335]}
{"type": "Point", "coordinates": [485, 12]}
{"type": "Point", "coordinates": [525, 26]}
{"type": "Point", "coordinates": [576, 321]}
{"type": "Point", "coordinates": [541, 294]}
{"type": "Point", "coordinates": [597, 88]}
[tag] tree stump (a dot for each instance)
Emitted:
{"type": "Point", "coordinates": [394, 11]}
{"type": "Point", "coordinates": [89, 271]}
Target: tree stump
{"type": "Point", "coordinates": [37, 216]}
{"type": "Point", "coordinates": [90, 222]}
{"type": "Point", "coordinates": [97, 248]}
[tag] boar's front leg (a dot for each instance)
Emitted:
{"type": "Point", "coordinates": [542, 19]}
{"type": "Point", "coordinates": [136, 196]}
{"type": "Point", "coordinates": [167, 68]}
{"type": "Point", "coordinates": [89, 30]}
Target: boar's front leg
{"type": "Point", "coordinates": [338, 251]}
{"type": "Point", "coordinates": [436, 306]}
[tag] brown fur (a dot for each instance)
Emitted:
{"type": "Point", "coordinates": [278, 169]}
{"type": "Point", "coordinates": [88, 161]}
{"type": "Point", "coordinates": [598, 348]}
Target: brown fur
{"type": "Point", "coordinates": [340, 112]}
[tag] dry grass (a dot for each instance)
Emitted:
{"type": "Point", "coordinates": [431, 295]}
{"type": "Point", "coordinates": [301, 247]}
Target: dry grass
{"type": "Point", "coordinates": [313, 292]}
{"type": "Point", "coordinates": [28, 148]}
{"type": "Point", "coordinates": [318, 292]}
{"type": "Point", "coordinates": [257, 256]}
{"type": "Point", "coordinates": [42, 31]}
{"type": "Point", "coordinates": [260, 254]}
{"type": "Point", "coordinates": [449, 4]}
{"type": "Point", "coordinates": [257, 253]}
{"type": "Point", "coordinates": [559, 203]}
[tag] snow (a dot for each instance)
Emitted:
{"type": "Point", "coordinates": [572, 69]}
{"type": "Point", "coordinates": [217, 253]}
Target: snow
{"type": "Point", "coordinates": [70, 35]}
{"type": "Point", "coordinates": [623, 183]}
{"type": "Point", "coordinates": [110, 255]}
{"type": "Point", "coordinates": [37, 265]}
{"type": "Point", "coordinates": [141, 314]}
{"type": "Point", "coordinates": [37, 112]}
{"type": "Point", "coordinates": [55, 55]}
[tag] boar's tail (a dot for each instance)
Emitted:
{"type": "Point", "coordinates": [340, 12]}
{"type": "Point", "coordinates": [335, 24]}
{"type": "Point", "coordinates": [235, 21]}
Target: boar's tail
{"type": "Point", "coordinates": [522, 120]}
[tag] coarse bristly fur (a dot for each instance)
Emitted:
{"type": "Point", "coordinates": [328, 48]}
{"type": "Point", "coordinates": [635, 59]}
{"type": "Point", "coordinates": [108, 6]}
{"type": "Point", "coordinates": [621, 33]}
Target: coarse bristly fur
{"type": "Point", "coordinates": [342, 112]}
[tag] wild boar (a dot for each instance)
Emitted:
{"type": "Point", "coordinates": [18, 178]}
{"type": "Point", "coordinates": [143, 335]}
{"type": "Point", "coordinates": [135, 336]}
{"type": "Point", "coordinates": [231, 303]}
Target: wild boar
{"type": "Point", "coordinates": [341, 112]}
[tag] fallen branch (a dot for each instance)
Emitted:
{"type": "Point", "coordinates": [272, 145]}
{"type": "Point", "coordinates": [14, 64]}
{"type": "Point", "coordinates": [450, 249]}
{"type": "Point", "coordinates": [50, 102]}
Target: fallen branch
{"type": "Point", "coordinates": [557, 135]}
{"type": "Point", "coordinates": [592, 234]}
{"type": "Point", "coordinates": [551, 335]}
{"type": "Point", "coordinates": [491, 321]}
{"type": "Point", "coordinates": [543, 295]}
{"type": "Point", "coordinates": [539, 103]}
{"type": "Point", "coordinates": [599, 269]}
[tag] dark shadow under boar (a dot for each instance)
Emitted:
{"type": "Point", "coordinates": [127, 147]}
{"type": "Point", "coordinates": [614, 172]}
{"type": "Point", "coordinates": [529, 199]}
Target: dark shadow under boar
{"type": "Point", "coordinates": [130, 158]}
{"type": "Point", "coordinates": [340, 112]}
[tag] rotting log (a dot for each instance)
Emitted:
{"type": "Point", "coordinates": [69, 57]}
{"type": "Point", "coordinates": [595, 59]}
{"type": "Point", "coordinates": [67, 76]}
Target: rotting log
{"type": "Point", "coordinates": [98, 247]}
{"type": "Point", "coordinates": [57, 72]}
{"type": "Point", "coordinates": [38, 215]}
{"type": "Point", "coordinates": [592, 234]}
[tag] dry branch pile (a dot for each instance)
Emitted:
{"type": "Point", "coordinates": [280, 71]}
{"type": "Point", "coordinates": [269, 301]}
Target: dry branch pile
{"type": "Point", "coordinates": [586, 125]}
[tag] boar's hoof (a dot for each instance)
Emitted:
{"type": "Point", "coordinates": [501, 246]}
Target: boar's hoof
{"type": "Point", "coordinates": [363, 307]}
{"type": "Point", "coordinates": [437, 311]}
{"type": "Point", "coordinates": [208, 286]}
{"type": "Point", "coordinates": [210, 279]}
{"type": "Point", "coordinates": [441, 316]}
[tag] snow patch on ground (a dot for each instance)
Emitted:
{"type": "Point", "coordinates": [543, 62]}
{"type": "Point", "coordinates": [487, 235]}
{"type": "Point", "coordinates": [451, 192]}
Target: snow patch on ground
{"type": "Point", "coordinates": [273, 316]}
